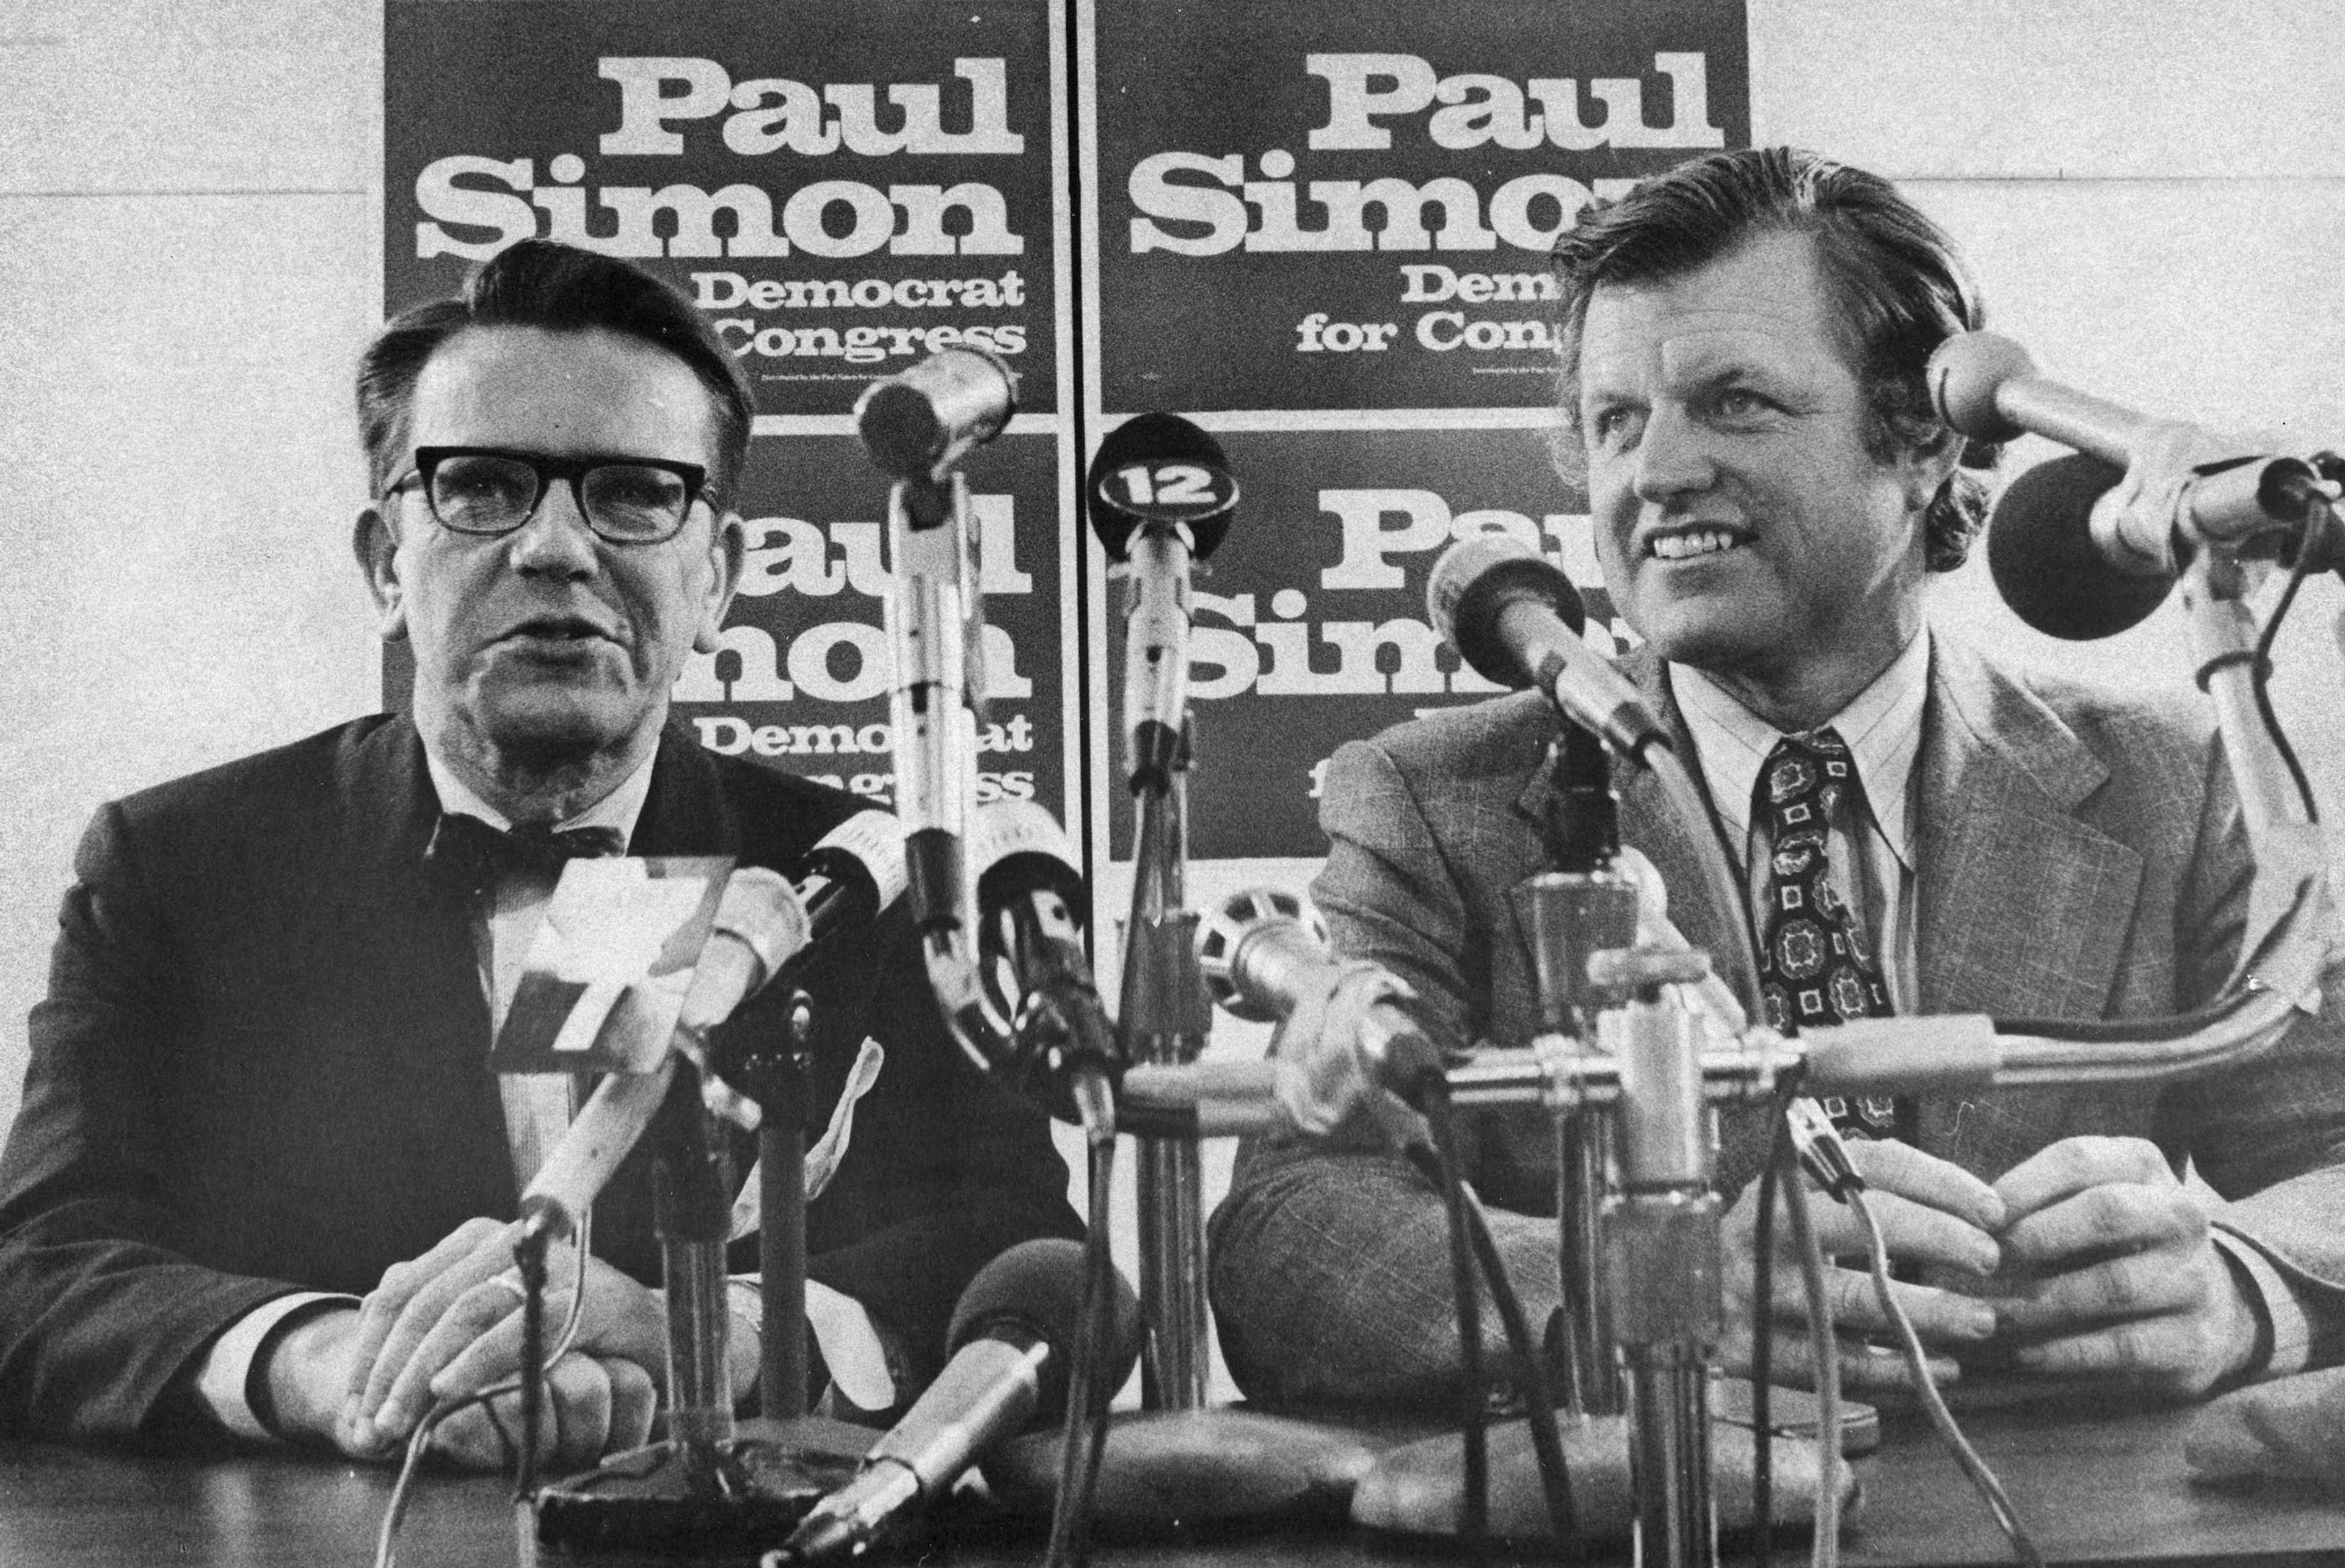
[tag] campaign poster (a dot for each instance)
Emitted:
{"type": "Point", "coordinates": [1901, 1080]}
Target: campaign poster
{"type": "Point", "coordinates": [1351, 206]}
{"type": "Point", "coordinates": [845, 187]}
{"type": "Point", "coordinates": [1310, 625]}
{"type": "Point", "coordinates": [803, 678]}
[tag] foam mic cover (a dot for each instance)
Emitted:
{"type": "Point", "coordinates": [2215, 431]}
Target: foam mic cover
{"type": "Point", "coordinates": [1160, 469]}
{"type": "Point", "coordinates": [1035, 1290]}
{"type": "Point", "coordinates": [2045, 565]}
{"type": "Point", "coordinates": [1473, 585]}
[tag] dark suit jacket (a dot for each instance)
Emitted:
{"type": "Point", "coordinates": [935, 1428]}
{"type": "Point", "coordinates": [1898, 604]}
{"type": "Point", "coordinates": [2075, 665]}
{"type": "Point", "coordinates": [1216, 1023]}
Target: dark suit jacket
{"type": "Point", "coordinates": [262, 1065]}
{"type": "Point", "coordinates": [2080, 857]}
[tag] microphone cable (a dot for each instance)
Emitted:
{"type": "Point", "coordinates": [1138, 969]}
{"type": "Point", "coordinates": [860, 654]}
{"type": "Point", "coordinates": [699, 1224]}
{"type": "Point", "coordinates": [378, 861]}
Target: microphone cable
{"type": "Point", "coordinates": [2260, 672]}
{"type": "Point", "coordinates": [1084, 1439]}
{"type": "Point", "coordinates": [1824, 1350]}
{"type": "Point", "coordinates": [394, 1514]}
{"type": "Point", "coordinates": [1473, 1410]}
{"type": "Point", "coordinates": [1763, 1325]}
{"type": "Point", "coordinates": [1538, 1391]}
{"type": "Point", "coordinates": [1982, 1478]}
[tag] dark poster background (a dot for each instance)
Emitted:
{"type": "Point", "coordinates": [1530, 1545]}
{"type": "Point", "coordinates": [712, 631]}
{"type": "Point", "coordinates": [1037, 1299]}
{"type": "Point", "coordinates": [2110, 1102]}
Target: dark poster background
{"type": "Point", "coordinates": [612, 126]}
{"type": "Point", "coordinates": [1244, 263]}
{"type": "Point", "coordinates": [803, 681]}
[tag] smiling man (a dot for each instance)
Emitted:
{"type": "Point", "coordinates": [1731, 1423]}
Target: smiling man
{"type": "Point", "coordinates": [1921, 830]}
{"type": "Point", "coordinates": [262, 1180]}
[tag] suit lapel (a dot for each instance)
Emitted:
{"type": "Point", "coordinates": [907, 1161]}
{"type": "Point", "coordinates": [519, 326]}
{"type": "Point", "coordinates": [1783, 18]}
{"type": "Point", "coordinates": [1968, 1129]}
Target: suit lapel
{"type": "Point", "coordinates": [412, 987]}
{"type": "Point", "coordinates": [2023, 907]}
{"type": "Point", "coordinates": [686, 812]}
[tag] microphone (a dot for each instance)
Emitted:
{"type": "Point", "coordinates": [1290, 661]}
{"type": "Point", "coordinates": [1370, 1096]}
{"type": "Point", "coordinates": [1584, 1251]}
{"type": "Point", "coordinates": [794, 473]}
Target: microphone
{"type": "Point", "coordinates": [1160, 496]}
{"type": "Point", "coordinates": [1012, 1342]}
{"type": "Point", "coordinates": [916, 425]}
{"type": "Point", "coordinates": [2048, 565]}
{"type": "Point", "coordinates": [1263, 951]}
{"type": "Point", "coordinates": [847, 879]}
{"type": "Point", "coordinates": [1515, 617]}
{"type": "Point", "coordinates": [1030, 909]}
{"type": "Point", "coordinates": [1987, 387]}
{"type": "Point", "coordinates": [759, 924]}
{"type": "Point", "coordinates": [764, 928]}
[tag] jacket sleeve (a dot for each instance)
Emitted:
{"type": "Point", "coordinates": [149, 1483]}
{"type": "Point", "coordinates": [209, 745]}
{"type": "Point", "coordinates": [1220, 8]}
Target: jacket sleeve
{"type": "Point", "coordinates": [1329, 1261]}
{"type": "Point", "coordinates": [99, 1308]}
{"type": "Point", "coordinates": [2269, 1135]}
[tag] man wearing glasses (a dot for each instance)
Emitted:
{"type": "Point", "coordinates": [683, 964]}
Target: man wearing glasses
{"type": "Point", "coordinates": [261, 1177]}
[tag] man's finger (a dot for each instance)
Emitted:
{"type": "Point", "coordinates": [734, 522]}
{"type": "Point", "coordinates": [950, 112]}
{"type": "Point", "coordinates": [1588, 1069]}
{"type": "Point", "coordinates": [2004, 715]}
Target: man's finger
{"type": "Point", "coordinates": [398, 1285]}
{"type": "Point", "coordinates": [578, 1409]}
{"type": "Point", "coordinates": [635, 1399]}
{"type": "Point", "coordinates": [480, 1437]}
{"type": "Point", "coordinates": [1865, 1370]}
{"type": "Point", "coordinates": [1939, 1316]}
{"type": "Point", "coordinates": [1892, 1168]}
{"type": "Point", "coordinates": [493, 1354]}
{"type": "Point", "coordinates": [2137, 1285]}
{"type": "Point", "coordinates": [2117, 1217]}
{"type": "Point", "coordinates": [1915, 1231]}
{"type": "Point", "coordinates": [2075, 1165]}
{"type": "Point", "coordinates": [464, 1303]}
{"type": "Point", "coordinates": [2145, 1350]}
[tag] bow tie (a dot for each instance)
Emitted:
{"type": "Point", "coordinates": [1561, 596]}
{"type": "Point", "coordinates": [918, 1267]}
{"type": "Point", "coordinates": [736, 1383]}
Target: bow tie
{"type": "Point", "coordinates": [482, 855]}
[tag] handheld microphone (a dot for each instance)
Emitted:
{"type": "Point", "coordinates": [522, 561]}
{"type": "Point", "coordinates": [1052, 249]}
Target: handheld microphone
{"type": "Point", "coordinates": [847, 879]}
{"type": "Point", "coordinates": [1012, 1342]}
{"type": "Point", "coordinates": [1160, 496]}
{"type": "Point", "coordinates": [1031, 905]}
{"type": "Point", "coordinates": [759, 924]}
{"type": "Point", "coordinates": [916, 425]}
{"type": "Point", "coordinates": [1986, 387]}
{"type": "Point", "coordinates": [1515, 617]}
{"type": "Point", "coordinates": [1262, 952]}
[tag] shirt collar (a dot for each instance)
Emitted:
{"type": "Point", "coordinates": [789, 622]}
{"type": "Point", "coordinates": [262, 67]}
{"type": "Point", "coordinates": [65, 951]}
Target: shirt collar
{"type": "Point", "coordinates": [1882, 724]}
{"type": "Point", "coordinates": [619, 809]}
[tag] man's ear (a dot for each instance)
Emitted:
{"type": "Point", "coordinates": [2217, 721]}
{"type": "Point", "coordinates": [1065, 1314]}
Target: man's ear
{"type": "Point", "coordinates": [1928, 468]}
{"type": "Point", "coordinates": [377, 548]}
{"type": "Point", "coordinates": [727, 548]}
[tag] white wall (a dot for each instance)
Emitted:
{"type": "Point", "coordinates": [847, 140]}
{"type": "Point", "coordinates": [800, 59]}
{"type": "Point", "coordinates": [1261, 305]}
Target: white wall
{"type": "Point", "coordinates": [2150, 193]}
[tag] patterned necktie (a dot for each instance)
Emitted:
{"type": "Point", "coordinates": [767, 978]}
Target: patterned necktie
{"type": "Point", "coordinates": [1815, 967]}
{"type": "Point", "coordinates": [481, 854]}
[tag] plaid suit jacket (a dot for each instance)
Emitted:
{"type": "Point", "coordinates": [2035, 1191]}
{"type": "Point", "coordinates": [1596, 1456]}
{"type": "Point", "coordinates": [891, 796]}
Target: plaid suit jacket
{"type": "Point", "coordinates": [2080, 857]}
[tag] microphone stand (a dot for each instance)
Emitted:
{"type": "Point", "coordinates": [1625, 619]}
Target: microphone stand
{"type": "Point", "coordinates": [1165, 1019]}
{"type": "Point", "coordinates": [1585, 906]}
{"type": "Point", "coordinates": [715, 1485]}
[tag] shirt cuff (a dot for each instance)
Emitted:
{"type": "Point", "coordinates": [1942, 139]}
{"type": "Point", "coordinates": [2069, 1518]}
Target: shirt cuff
{"type": "Point", "coordinates": [224, 1381]}
{"type": "Point", "coordinates": [2291, 1324]}
{"type": "Point", "coordinates": [851, 1347]}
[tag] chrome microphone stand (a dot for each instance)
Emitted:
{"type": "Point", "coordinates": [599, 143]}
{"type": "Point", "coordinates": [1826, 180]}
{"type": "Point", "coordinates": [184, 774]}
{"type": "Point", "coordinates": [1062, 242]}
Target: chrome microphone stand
{"type": "Point", "coordinates": [1165, 1019]}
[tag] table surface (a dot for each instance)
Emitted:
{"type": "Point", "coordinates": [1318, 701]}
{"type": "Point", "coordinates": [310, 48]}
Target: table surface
{"type": "Point", "coordinates": [2110, 1490]}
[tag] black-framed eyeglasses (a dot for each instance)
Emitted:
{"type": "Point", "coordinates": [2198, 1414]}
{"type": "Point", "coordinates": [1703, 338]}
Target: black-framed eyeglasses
{"type": "Point", "coordinates": [495, 489]}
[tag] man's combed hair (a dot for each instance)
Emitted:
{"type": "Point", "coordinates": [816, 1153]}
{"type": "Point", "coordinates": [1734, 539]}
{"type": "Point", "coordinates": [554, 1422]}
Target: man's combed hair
{"type": "Point", "coordinates": [1897, 290]}
{"type": "Point", "coordinates": [559, 288]}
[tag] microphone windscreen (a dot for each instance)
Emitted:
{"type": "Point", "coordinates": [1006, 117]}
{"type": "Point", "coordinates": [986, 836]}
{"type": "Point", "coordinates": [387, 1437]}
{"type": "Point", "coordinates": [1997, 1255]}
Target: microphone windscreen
{"type": "Point", "coordinates": [1472, 586]}
{"type": "Point", "coordinates": [1160, 469]}
{"type": "Point", "coordinates": [1037, 1288]}
{"type": "Point", "coordinates": [2040, 551]}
